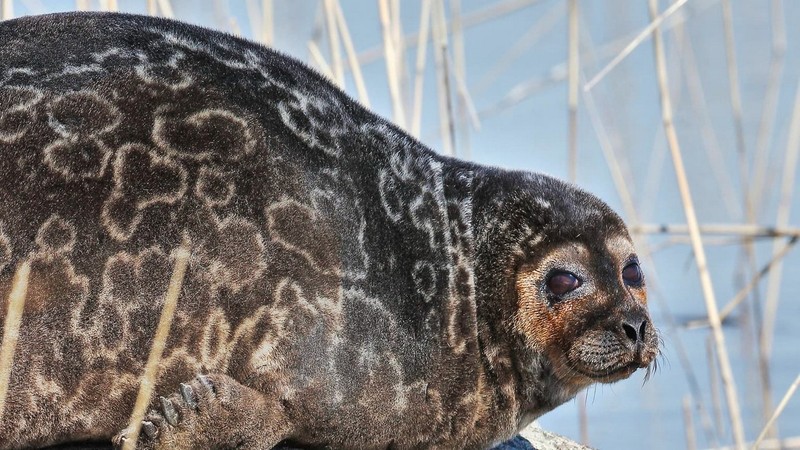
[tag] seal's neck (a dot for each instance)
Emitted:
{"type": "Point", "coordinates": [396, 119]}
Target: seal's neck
{"type": "Point", "coordinates": [527, 385]}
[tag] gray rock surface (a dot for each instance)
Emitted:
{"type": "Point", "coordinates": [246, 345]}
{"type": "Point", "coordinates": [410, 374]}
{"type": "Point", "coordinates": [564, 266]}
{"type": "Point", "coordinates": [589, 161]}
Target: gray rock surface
{"type": "Point", "coordinates": [546, 440]}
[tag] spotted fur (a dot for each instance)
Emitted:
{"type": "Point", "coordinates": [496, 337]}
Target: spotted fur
{"type": "Point", "coordinates": [347, 287]}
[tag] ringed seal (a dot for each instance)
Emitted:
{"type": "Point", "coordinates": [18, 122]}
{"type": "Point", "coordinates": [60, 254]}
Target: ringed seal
{"type": "Point", "coordinates": [347, 287]}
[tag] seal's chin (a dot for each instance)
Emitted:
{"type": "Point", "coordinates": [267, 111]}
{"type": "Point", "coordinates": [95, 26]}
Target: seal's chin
{"type": "Point", "coordinates": [612, 376]}
{"type": "Point", "coordinates": [600, 356]}
{"type": "Point", "coordinates": [607, 375]}
{"type": "Point", "coordinates": [609, 368]}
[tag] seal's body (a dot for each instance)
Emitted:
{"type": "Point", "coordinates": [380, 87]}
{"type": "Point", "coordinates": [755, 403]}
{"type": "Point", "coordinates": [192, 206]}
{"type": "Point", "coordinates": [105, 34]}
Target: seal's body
{"type": "Point", "coordinates": [347, 287]}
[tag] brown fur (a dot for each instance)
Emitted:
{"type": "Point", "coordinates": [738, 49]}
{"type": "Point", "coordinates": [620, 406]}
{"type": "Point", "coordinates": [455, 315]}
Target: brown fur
{"type": "Point", "coordinates": [563, 329]}
{"type": "Point", "coordinates": [347, 287]}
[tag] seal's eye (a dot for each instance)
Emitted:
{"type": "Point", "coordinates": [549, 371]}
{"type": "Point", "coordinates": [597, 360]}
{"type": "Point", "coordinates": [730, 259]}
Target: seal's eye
{"type": "Point", "coordinates": [632, 274]}
{"type": "Point", "coordinates": [560, 283]}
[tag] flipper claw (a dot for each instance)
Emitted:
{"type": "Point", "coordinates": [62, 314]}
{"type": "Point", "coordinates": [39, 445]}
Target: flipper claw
{"type": "Point", "coordinates": [187, 393]}
{"type": "Point", "coordinates": [169, 411]}
{"type": "Point", "coordinates": [207, 383]}
{"type": "Point", "coordinates": [149, 429]}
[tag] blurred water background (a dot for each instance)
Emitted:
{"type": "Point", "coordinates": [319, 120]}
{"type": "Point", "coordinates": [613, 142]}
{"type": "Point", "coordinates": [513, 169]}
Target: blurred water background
{"type": "Point", "coordinates": [502, 89]}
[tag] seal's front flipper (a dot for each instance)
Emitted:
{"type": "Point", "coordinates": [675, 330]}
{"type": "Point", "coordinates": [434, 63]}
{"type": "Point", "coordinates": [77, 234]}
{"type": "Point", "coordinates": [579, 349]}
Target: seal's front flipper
{"type": "Point", "coordinates": [212, 411]}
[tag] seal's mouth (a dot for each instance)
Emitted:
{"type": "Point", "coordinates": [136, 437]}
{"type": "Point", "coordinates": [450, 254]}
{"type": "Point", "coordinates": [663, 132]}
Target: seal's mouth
{"type": "Point", "coordinates": [611, 375]}
{"type": "Point", "coordinates": [623, 371]}
{"type": "Point", "coordinates": [605, 357]}
{"type": "Point", "coordinates": [610, 370]}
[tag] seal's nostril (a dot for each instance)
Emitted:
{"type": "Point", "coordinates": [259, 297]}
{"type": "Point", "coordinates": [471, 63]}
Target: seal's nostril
{"type": "Point", "coordinates": [629, 331]}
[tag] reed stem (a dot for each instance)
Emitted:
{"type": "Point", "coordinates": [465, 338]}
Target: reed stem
{"type": "Point", "coordinates": [573, 68]}
{"type": "Point", "coordinates": [150, 374]}
{"type": "Point", "coordinates": [781, 406]}
{"type": "Point", "coordinates": [694, 232]}
{"type": "Point", "coordinates": [11, 327]}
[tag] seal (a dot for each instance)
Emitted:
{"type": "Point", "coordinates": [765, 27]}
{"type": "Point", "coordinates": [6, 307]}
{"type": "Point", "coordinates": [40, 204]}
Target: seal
{"type": "Point", "coordinates": [346, 286]}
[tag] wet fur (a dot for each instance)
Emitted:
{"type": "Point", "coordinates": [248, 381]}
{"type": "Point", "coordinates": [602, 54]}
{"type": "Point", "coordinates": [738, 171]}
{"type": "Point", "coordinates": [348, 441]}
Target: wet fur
{"type": "Point", "coordinates": [347, 286]}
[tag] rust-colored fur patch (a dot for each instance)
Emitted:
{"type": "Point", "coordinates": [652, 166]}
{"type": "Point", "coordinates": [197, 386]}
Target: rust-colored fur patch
{"type": "Point", "coordinates": [586, 321]}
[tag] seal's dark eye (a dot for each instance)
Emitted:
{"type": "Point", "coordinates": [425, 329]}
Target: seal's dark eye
{"type": "Point", "coordinates": [632, 274]}
{"type": "Point", "coordinates": [560, 283]}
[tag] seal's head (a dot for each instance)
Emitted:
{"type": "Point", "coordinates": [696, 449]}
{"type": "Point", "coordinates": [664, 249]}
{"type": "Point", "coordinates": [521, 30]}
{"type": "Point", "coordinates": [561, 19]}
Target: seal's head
{"type": "Point", "coordinates": [581, 294]}
{"type": "Point", "coordinates": [584, 305]}
{"type": "Point", "coordinates": [577, 293]}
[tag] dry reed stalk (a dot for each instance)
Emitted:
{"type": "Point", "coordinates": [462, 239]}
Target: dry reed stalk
{"type": "Point", "coordinates": [495, 11]}
{"type": "Point", "coordinates": [709, 137]}
{"type": "Point", "coordinates": [622, 184]}
{"type": "Point", "coordinates": [556, 73]}
{"type": "Point", "coordinates": [224, 17]}
{"type": "Point", "coordinates": [8, 10]}
{"type": "Point", "coordinates": [81, 5]}
{"type": "Point", "coordinates": [400, 53]}
{"type": "Point", "coordinates": [782, 219]}
{"type": "Point", "coordinates": [460, 75]}
{"type": "Point", "coordinates": [623, 190]}
{"type": "Point", "coordinates": [523, 90]}
{"type": "Point", "coordinates": [583, 417]}
{"type": "Point", "coordinates": [16, 307]}
{"type": "Point", "coordinates": [419, 69]}
{"type": "Point", "coordinates": [748, 263]}
{"type": "Point", "coordinates": [397, 31]}
{"type": "Point", "coordinates": [253, 17]}
{"type": "Point", "coordinates": [457, 32]}
{"type": "Point", "coordinates": [713, 373]}
{"type": "Point", "coordinates": [641, 37]}
{"type": "Point", "coordinates": [615, 166]}
{"type": "Point", "coordinates": [688, 423]}
{"type": "Point", "coordinates": [152, 8]}
{"type": "Point", "coordinates": [654, 174]}
{"type": "Point", "coordinates": [736, 100]}
{"type": "Point", "coordinates": [770, 106]}
{"type": "Point", "coordinates": [791, 443]}
{"type": "Point", "coordinates": [352, 56]}
{"type": "Point", "coordinates": [468, 20]}
{"type": "Point", "coordinates": [742, 294]}
{"type": "Point", "coordinates": [559, 71]}
{"type": "Point", "coordinates": [318, 29]}
{"type": "Point", "coordinates": [443, 79]}
{"type": "Point", "coordinates": [267, 24]}
{"type": "Point", "coordinates": [694, 232]}
{"type": "Point", "coordinates": [572, 151]}
{"type": "Point", "coordinates": [674, 241]}
{"type": "Point", "coordinates": [470, 111]}
{"type": "Point", "coordinates": [166, 8]}
{"type": "Point", "coordinates": [784, 212]}
{"type": "Point", "coordinates": [319, 60]}
{"type": "Point", "coordinates": [743, 230]}
{"type": "Point", "coordinates": [108, 5]}
{"type": "Point", "coordinates": [572, 96]}
{"type": "Point", "coordinates": [448, 101]}
{"type": "Point", "coordinates": [331, 26]}
{"type": "Point", "coordinates": [711, 430]}
{"type": "Point", "coordinates": [391, 64]}
{"type": "Point", "coordinates": [545, 24]}
{"type": "Point", "coordinates": [789, 393]}
{"type": "Point", "coordinates": [148, 380]}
